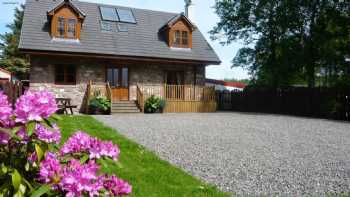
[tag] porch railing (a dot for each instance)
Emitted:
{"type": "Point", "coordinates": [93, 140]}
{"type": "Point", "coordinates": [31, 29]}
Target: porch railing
{"type": "Point", "coordinates": [140, 100]}
{"type": "Point", "coordinates": [180, 98]}
{"type": "Point", "coordinates": [92, 88]}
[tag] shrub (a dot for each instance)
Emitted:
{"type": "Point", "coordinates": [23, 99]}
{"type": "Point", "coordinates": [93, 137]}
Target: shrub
{"type": "Point", "coordinates": [31, 162]}
{"type": "Point", "coordinates": [154, 104]}
{"type": "Point", "coordinates": [100, 103]}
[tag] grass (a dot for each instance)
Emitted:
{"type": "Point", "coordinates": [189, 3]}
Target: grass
{"type": "Point", "coordinates": [149, 175]}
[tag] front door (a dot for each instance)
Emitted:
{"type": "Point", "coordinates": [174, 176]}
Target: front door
{"type": "Point", "coordinates": [118, 78]}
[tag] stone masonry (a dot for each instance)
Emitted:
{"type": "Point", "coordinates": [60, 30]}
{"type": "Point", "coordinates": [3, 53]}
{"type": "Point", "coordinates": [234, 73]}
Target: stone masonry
{"type": "Point", "coordinates": [42, 76]}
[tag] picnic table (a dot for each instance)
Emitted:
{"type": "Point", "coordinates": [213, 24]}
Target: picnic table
{"type": "Point", "coordinates": [65, 103]}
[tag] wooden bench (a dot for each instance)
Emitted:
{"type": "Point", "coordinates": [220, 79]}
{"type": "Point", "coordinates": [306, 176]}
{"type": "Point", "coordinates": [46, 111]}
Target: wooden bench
{"type": "Point", "coordinates": [65, 103]}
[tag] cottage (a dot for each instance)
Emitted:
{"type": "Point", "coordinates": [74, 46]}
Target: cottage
{"type": "Point", "coordinates": [136, 52]}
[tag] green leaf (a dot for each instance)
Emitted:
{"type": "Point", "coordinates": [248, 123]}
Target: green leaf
{"type": "Point", "coordinates": [30, 128]}
{"type": "Point", "coordinates": [56, 117]}
{"type": "Point", "coordinates": [26, 167]}
{"type": "Point", "coordinates": [18, 194]}
{"type": "Point", "coordinates": [16, 180]}
{"type": "Point", "coordinates": [84, 159]}
{"type": "Point", "coordinates": [28, 184]}
{"type": "Point", "coordinates": [15, 130]}
{"type": "Point", "coordinates": [48, 123]}
{"type": "Point", "coordinates": [39, 152]}
{"type": "Point", "coordinates": [41, 191]}
{"type": "Point", "coordinates": [4, 169]}
{"type": "Point", "coordinates": [22, 188]}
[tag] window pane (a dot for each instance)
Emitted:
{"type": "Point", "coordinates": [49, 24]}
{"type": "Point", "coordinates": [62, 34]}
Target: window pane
{"type": "Point", "coordinates": [70, 74]}
{"type": "Point", "coordinates": [122, 27]}
{"type": "Point", "coordinates": [108, 14]}
{"type": "Point", "coordinates": [106, 26]}
{"type": "Point", "coordinates": [125, 77]}
{"type": "Point", "coordinates": [60, 27]}
{"type": "Point", "coordinates": [185, 38]}
{"type": "Point", "coordinates": [71, 28]}
{"type": "Point", "coordinates": [59, 74]}
{"type": "Point", "coordinates": [65, 74]}
{"type": "Point", "coordinates": [177, 38]}
{"type": "Point", "coordinates": [126, 16]}
{"type": "Point", "coordinates": [70, 78]}
{"type": "Point", "coordinates": [116, 77]}
{"type": "Point", "coordinates": [110, 76]}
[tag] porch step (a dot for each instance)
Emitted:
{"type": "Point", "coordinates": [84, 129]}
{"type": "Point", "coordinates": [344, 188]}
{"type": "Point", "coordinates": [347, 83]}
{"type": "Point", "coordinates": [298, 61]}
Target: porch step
{"type": "Point", "coordinates": [124, 107]}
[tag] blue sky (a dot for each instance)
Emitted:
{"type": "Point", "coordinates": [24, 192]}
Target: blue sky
{"type": "Point", "coordinates": [205, 19]}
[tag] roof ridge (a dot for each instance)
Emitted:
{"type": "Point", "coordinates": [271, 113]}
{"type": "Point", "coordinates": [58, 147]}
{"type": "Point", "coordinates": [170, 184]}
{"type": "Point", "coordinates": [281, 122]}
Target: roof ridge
{"type": "Point", "coordinates": [115, 5]}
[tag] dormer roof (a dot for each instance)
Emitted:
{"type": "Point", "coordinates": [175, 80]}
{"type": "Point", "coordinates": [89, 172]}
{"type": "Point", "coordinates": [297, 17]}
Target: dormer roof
{"type": "Point", "coordinates": [70, 3]}
{"type": "Point", "coordinates": [177, 18]}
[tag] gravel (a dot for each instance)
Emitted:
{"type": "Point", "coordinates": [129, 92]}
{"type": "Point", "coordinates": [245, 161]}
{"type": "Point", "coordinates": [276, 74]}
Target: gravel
{"type": "Point", "coordinates": [248, 154]}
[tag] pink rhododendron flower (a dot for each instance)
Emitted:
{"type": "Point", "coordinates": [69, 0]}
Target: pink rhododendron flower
{"type": "Point", "coordinates": [78, 179]}
{"type": "Point", "coordinates": [46, 135]}
{"type": "Point", "coordinates": [4, 138]}
{"type": "Point", "coordinates": [50, 169]}
{"type": "Point", "coordinates": [100, 148]}
{"type": "Point", "coordinates": [79, 142]}
{"type": "Point", "coordinates": [34, 106]}
{"type": "Point", "coordinates": [22, 134]}
{"type": "Point", "coordinates": [82, 142]}
{"type": "Point", "coordinates": [5, 110]}
{"type": "Point", "coordinates": [117, 186]}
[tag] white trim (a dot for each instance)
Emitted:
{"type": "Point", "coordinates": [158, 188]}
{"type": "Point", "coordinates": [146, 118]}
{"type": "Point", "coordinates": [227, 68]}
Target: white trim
{"type": "Point", "coordinates": [181, 49]}
{"type": "Point", "coordinates": [66, 40]}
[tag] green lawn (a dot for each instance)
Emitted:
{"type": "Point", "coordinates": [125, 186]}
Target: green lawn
{"type": "Point", "coordinates": [149, 175]}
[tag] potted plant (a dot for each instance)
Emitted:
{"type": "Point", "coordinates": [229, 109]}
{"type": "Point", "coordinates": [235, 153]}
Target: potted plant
{"type": "Point", "coordinates": [162, 104]}
{"type": "Point", "coordinates": [154, 104]}
{"type": "Point", "coordinates": [100, 105]}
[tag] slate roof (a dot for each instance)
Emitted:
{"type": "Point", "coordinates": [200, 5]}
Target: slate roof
{"type": "Point", "coordinates": [142, 39]}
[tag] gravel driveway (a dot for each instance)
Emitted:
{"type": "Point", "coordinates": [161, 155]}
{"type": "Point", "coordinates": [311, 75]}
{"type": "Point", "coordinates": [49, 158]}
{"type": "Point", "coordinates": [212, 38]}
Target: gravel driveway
{"type": "Point", "coordinates": [248, 154]}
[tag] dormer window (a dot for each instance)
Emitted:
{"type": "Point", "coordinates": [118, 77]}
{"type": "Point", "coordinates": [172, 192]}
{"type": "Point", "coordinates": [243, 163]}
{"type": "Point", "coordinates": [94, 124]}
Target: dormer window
{"type": "Point", "coordinates": [66, 21]}
{"type": "Point", "coordinates": [181, 39]}
{"type": "Point", "coordinates": [66, 28]}
{"type": "Point", "coordinates": [60, 27]}
{"type": "Point", "coordinates": [177, 38]}
{"type": "Point", "coordinates": [71, 32]}
{"type": "Point", "coordinates": [179, 32]}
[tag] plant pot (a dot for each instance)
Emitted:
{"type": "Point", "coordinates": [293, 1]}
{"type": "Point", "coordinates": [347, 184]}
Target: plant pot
{"type": "Point", "coordinates": [98, 112]}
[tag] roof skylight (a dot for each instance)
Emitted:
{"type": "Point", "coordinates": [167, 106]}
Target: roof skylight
{"type": "Point", "coordinates": [109, 14]}
{"type": "Point", "coordinates": [126, 15]}
{"type": "Point", "coordinates": [106, 26]}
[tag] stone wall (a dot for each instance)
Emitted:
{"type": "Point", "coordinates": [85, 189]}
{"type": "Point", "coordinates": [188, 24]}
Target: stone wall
{"type": "Point", "coordinates": [42, 76]}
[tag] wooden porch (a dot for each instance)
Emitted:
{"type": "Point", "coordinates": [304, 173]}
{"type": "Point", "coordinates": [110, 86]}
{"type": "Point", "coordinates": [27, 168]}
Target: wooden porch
{"type": "Point", "coordinates": [179, 98]}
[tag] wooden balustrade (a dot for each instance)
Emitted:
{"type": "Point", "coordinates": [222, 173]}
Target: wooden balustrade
{"type": "Point", "coordinates": [108, 91]}
{"type": "Point", "coordinates": [103, 89]}
{"type": "Point", "coordinates": [140, 99]}
{"type": "Point", "coordinates": [181, 98]}
{"type": "Point", "coordinates": [88, 96]}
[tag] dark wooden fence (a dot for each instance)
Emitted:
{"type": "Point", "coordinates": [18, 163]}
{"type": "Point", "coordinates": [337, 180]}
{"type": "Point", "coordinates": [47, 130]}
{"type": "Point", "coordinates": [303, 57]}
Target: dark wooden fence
{"type": "Point", "coordinates": [325, 103]}
{"type": "Point", "coordinates": [13, 90]}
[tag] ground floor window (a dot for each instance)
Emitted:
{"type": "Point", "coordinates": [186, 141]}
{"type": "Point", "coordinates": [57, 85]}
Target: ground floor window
{"type": "Point", "coordinates": [175, 77]}
{"type": "Point", "coordinates": [65, 74]}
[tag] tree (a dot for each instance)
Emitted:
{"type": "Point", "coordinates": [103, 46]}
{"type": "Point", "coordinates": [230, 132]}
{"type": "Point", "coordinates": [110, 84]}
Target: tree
{"type": "Point", "coordinates": [287, 41]}
{"type": "Point", "coordinates": [11, 58]}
